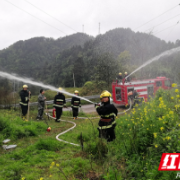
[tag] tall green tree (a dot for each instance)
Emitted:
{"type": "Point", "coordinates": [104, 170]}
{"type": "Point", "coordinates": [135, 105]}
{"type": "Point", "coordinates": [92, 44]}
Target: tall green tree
{"type": "Point", "coordinates": [105, 70]}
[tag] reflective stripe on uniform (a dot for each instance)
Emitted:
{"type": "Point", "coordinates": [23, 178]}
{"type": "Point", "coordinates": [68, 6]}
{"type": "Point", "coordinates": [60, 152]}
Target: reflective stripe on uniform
{"type": "Point", "coordinates": [109, 126]}
{"type": "Point", "coordinates": [105, 127]}
{"type": "Point", "coordinates": [75, 106]}
{"type": "Point", "coordinates": [56, 105]}
{"type": "Point", "coordinates": [24, 104]}
{"type": "Point", "coordinates": [59, 100]}
{"type": "Point", "coordinates": [112, 114]}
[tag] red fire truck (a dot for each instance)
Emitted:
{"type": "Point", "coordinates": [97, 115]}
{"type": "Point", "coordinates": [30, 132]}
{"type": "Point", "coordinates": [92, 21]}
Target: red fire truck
{"type": "Point", "coordinates": [145, 89]}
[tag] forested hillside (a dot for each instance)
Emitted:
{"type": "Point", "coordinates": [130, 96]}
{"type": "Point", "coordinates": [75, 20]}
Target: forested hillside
{"type": "Point", "coordinates": [29, 56]}
{"type": "Point", "coordinates": [100, 59]}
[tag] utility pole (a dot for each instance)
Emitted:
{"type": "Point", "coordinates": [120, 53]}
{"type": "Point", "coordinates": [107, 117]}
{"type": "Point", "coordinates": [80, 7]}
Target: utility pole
{"type": "Point", "coordinates": [99, 28]}
{"type": "Point", "coordinates": [83, 28]}
{"type": "Point", "coordinates": [74, 80]}
{"type": "Point", "coordinates": [13, 87]}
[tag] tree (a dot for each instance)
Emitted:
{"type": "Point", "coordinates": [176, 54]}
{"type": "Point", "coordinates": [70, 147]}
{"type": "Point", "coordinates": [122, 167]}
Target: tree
{"type": "Point", "coordinates": [105, 70]}
{"type": "Point", "coordinates": [124, 60]}
{"type": "Point", "coordinates": [78, 71]}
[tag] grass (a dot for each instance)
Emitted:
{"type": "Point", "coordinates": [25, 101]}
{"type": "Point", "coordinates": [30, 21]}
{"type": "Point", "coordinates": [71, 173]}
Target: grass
{"type": "Point", "coordinates": [34, 155]}
{"type": "Point", "coordinates": [141, 137]}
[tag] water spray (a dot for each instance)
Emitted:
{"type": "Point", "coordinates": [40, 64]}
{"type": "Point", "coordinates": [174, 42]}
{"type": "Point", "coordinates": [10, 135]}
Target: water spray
{"type": "Point", "coordinates": [29, 81]}
{"type": "Point", "coordinates": [166, 53]}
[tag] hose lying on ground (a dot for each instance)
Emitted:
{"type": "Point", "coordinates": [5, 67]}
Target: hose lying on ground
{"type": "Point", "coordinates": [57, 137]}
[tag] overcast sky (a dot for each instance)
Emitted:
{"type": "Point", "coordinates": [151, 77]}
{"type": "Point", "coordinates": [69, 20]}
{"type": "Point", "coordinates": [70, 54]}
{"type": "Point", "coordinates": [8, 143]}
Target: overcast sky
{"type": "Point", "coordinates": [16, 24]}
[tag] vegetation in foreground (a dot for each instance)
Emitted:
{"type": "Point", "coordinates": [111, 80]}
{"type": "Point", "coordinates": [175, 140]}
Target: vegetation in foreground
{"type": "Point", "coordinates": [141, 137]}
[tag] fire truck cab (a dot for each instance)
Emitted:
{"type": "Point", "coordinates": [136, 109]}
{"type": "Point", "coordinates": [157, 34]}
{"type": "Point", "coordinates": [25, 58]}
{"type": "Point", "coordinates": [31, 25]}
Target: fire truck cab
{"type": "Point", "coordinates": [145, 88]}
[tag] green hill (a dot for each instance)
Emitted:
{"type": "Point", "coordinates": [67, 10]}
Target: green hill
{"type": "Point", "coordinates": [55, 61]}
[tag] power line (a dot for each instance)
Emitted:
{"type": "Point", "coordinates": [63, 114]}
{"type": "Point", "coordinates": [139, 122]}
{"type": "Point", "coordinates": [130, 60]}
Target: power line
{"type": "Point", "coordinates": [35, 17]}
{"type": "Point", "coordinates": [51, 16]}
{"type": "Point", "coordinates": [166, 28]}
{"type": "Point", "coordinates": [157, 17]}
{"type": "Point", "coordinates": [163, 22]}
{"type": "Point", "coordinates": [171, 30]}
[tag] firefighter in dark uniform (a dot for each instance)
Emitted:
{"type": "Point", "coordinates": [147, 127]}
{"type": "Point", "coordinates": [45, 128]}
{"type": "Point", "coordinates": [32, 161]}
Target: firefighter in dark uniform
{"type": "Point", "coordinates": [59, 103]}
{"type": "Point", "coordinates": [127, 79]}
{"type": "Point", "coordinates": [75, 104]}
{"type": "Point", "coordinates": [24, 95]}
{"type": "Point", "coordinates": [108, 113]}
{"type": "Point", "coordinates": [136, 97]}
{"type": "Point", "coordinates": [119, 77]}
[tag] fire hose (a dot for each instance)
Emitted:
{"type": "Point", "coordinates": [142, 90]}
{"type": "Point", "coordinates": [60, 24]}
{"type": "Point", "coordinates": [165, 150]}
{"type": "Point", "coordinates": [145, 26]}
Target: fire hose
{"type": "Point", "coordinates": [57, 136]}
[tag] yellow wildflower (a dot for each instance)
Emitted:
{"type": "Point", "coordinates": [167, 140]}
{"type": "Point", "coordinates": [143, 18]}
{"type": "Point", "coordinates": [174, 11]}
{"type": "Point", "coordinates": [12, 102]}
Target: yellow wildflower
{"type": "Point", "coordinates": [155, 135]}
{"type": "Point", "coordinates": [171, 112]}
{"type": "Point", "coordinates": [172, 97]}
{"type": "Point", "coordinates": [41, 178]}
{"type": "Point", "coordinates": [162, 128]}
{"type": "Point", "coordinates": [177, 96]}
{"type": "Point", "coordinates": [174, 85]}
{"type": "Point", "coordinates": [176, 90]}
{"type": "Point", "coordinates": [53, 163]}
{"type": "Point", "coordinates": [57, 165]}
{"type": "Point", "coordinates": [156, 145]}
{"type": "Point", "coordinates": [168, 138]}
{"type": "Point", "coordinates": [50, 175]}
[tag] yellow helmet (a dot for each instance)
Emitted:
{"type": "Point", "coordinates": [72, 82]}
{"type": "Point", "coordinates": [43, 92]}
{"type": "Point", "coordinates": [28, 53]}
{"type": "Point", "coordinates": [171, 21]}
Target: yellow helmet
{"type": "Point", "coordinates": [120, 73]}
{"type": "Point", "coordinates": [76, 91]}
{"type": "Point", "coordinates": [105, 94]}
{"type": "Point", "coordinates": [125, 73]}
{"type": "Point", "coordinates": [102, 93]}
{"type": "Point", "coordinates": [60, 88]}
{"type": "Point", "coordinates": [25, 86]}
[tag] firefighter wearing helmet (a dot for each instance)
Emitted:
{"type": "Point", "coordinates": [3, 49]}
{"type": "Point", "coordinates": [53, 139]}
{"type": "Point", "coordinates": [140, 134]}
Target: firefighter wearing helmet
{"type": "Point", "coordinates": [108, 112]}
{"type": "Point", "coordinates": [126, 79]}
{"type": "Point", "coordinates": [24, 95]}
{"type": "Point", "coordinates": [111, 100]}
{"type": "Point", "coordinates": [59, 103]}
{"type": "Point", "coordinates": [119, 77]}
{"type": "Point", "coordinates": [75, 104]}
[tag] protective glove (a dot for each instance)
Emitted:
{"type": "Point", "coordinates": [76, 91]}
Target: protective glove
{"type": "Point", "coordinates": [96, 105]}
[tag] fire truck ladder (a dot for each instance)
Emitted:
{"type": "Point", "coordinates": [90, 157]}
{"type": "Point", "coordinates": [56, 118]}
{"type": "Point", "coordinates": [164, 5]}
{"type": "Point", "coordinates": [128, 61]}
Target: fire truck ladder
{"type": "Point", "coordinates": [123, 94]}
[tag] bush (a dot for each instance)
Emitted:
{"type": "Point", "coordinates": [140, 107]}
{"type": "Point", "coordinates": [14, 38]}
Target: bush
{"type": "Point", "coordinates": [98, 148]}
{"type": "Point", "coordinates": [90, 88]}
{"type": "Point", "coordinates": [16, 128]}
{"type": "Point", "coordinates": [49, 144]}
